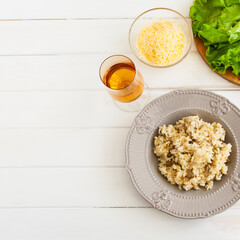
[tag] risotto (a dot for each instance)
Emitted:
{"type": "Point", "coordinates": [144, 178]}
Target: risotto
{"type": "Point", "coordinates": [192, 153]}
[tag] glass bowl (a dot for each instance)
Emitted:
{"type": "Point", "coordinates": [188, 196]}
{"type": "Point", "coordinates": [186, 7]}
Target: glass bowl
{"type": "Point", "coordinates": [151, 16]}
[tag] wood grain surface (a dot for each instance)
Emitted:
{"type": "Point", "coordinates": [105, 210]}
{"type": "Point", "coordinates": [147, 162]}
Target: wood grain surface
{"type": "Point", "coordinates": [62, 139]}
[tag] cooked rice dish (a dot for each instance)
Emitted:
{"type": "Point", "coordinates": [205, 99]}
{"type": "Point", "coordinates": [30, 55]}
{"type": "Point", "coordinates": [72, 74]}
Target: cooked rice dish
{"type": "Point", "coordinates": [192, 153]}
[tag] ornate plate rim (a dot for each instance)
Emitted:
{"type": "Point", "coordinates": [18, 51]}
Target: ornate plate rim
{"type": "Point", "coordinates": [163, 194]}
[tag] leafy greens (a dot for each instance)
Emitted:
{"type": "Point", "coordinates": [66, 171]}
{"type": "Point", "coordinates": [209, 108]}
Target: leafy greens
{"type": "Point", "coordinates": [217, 23]}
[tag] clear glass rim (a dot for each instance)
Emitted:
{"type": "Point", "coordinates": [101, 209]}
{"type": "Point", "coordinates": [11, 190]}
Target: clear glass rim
{"type": "Point", "coordinates": [148, 63]}
{"type": "Point", "coordinates": [117, 55]}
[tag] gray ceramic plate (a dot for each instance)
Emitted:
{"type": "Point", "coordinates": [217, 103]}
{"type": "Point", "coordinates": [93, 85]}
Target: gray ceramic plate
{"type": "Point", "coordinates": [142, 163]}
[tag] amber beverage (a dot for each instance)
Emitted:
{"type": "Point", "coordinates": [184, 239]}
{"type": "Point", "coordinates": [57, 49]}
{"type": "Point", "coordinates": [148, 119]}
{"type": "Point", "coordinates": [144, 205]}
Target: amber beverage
{"type": "Point", "coordinates": [123, 81]}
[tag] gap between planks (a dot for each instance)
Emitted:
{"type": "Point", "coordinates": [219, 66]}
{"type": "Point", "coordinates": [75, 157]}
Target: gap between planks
{"type": "Point", "coordinates": [70, 207]}
{"type": "Point", "coordinates": [235, 207]}
{"type": "Point", "coordinates": [72, 19]}
{"type": "Point", "coordinates": [207, 88]}
{"type": "Point", "coordinates": [60, 167]}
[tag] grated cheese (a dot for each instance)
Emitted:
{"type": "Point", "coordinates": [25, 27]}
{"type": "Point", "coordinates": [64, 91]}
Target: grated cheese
{"type": "Point", "coordinates": [161, 43]}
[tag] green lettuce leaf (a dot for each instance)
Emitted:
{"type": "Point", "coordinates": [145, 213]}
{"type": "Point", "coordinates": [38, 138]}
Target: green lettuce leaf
{"type": "Point", "coordinates": [234, 33]}
{"type": "Point", "coordinates": [217, 23]}
{"type": "Point", "coordinates": [212, 35]}
{"type": "Point", "coordinates": [231, 2]}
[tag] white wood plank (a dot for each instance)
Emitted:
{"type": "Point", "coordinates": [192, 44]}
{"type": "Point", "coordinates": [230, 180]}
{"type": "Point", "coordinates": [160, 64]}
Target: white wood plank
{"type": "Point", "coordinates": [61, 109]}
{"type": "Point", "coordinates": [27, 9]}
{"type": "Point", "coordinates": [63, 187]}
{"type": "Point", "coordinates": [70, 109]}
{"type": "Point", "coordinates": [68, 146]}
{"type": "Point", "coordinates": [65, 37]}
{"type": "Point", "coordinates": [69, 187]}
{"type": "Point", "coordinates": [80, 72]}
{"type": "Point", "coordinates": [62, 147]}
{"type": "Point", "coordinates": [75, 224]}
{"type": "Point", "coordinates": [192, 72]}
{"type": "Point", "coordinates": [51, 72]}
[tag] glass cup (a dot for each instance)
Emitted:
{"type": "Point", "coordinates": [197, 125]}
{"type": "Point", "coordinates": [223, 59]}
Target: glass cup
{"type": "Point", "coordinates": [124, 83]}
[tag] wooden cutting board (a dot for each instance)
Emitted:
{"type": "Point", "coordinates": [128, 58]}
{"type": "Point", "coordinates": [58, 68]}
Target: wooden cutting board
{"type": "Point", "coordinates": [202, 50]}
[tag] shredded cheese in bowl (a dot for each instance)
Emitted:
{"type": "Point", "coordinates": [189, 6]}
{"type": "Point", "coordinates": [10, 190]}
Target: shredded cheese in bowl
{"type": "Point", "coordinates": [161, 43]}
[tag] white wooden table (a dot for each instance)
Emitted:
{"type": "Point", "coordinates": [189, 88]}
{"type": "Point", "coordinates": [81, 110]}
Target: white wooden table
{"type": "Point", "coordinates": [62, 162]}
